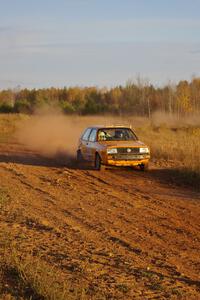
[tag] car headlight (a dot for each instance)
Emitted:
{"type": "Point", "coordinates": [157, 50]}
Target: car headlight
{"type": "Point", "coordinates": [144, 150]}
{"type": "Point", "coordinates": [112, 150]}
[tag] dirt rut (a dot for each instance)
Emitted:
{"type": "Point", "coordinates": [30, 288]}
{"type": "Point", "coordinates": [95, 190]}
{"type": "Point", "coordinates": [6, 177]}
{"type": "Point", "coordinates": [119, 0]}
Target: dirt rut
{"type": "Point", "coordinates": [127, 234]}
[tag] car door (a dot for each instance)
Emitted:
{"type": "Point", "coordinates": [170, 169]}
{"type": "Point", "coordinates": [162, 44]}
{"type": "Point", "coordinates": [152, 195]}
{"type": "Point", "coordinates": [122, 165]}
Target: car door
{"type": "Point", "coordinates": [91, 147]}
{"type": "Point", "coordinates": [84, 143]}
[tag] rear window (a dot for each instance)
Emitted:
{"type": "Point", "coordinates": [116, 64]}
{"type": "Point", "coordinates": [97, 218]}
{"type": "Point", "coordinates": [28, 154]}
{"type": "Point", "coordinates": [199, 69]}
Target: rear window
{"type": "Point", "coordinates": [86, 134]}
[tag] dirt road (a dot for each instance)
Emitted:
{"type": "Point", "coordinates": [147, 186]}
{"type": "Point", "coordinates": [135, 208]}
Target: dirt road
{"type": "Point", "coordinates": [127, 234]}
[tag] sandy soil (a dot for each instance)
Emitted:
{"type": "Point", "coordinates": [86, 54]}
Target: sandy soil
{"type": "Point", "coordinates": [127, 234]}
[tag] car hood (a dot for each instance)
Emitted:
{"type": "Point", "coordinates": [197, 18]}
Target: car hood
{"type": "Point", "coordinates": [119, 144]}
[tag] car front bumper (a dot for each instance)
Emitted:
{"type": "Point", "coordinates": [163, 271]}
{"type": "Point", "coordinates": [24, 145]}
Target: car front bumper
{"type": "Point", "coordinates": [127, 160]}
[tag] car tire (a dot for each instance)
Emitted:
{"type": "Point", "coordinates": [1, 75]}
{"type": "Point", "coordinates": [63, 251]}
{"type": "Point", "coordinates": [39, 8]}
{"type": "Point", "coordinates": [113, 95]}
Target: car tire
{"type": "Point", "coordinates": [144, 167]}
{"type": "Point", "coordinates": [97, 162]}
{"type": "Point", "coordinates": [79, 156]}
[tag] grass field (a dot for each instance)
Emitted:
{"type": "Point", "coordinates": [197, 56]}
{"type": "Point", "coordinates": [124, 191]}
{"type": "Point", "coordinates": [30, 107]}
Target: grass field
{"type": "Point", "coordinates": [176, 149]}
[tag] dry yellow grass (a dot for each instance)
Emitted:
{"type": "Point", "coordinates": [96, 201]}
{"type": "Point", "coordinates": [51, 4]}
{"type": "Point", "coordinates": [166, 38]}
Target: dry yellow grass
{"type": "Point", "coordinates": [178, 144]}
{"type": "Point", "coordinates": [177, 148]}
{"type": "Point", "coordinates": [32, 278]}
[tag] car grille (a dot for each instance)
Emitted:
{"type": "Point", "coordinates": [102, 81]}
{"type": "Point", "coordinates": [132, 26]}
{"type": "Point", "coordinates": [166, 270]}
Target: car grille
{"type": "Point", "coordinates": [126, 156]}
{"type": "Point", "coordinates": [128, 153]}
{"type": "Point", "coordinates": [128, 150]}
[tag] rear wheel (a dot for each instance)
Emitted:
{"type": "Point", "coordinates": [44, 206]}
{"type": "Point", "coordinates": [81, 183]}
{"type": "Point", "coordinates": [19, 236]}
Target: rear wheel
{"type": "Point", "coordinates": [97, 162]}
{"type": "Point", "coordinates": [79, 156]}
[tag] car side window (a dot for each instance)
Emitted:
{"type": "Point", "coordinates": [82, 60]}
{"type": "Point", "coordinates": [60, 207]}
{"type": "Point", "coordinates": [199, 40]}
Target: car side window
{"type": "Point", "coordinates": [86, 134]}
{"type": "Point", "coordinates": [93, 134]}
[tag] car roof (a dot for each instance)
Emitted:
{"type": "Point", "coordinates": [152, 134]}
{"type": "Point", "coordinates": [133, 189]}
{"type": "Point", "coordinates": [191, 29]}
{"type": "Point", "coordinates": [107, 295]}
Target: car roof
{"type": "Point", "coordinates": [109, 126]}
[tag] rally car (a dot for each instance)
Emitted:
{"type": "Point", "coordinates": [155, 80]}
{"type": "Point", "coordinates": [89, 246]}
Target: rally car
{"type": "Point", "coordinates": [112, 146]}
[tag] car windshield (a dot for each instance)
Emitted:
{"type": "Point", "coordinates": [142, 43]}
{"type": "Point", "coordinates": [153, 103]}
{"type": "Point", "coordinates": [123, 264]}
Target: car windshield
{"type": "Point", "coordinates": [116, 134]}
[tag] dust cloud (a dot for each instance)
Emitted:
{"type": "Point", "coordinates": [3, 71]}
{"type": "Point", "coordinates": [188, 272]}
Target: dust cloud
{"type": "Point", "coordinates": [55, 134]}
{"type": "Point", "coordinates": [50, 135]}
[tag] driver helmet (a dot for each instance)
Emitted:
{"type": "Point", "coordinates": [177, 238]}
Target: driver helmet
{"type": "Point", "coordinates": [102, 136]}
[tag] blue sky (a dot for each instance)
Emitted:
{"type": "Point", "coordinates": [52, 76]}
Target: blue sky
{"type": "Point", "coordinates": [103, 43]}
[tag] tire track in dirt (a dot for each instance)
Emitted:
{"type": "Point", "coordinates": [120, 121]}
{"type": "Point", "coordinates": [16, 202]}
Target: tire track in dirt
{"type": "Point", "coordinates": [36, 188]}
{"type": "Point", "coordinates": [114, 239]}
{"type": "Point", "coordinates": [100, 222]}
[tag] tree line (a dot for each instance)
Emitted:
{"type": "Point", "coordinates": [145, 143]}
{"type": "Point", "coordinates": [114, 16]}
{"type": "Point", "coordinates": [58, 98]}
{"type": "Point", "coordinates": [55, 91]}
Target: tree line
{"type": "Point", "coordinates": [138, 98]}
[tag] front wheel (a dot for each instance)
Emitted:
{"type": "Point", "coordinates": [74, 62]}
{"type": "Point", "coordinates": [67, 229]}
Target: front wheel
{"type": "Point", "coordinates": [144, 167]}
{"type": "Point", "coordinates": [97, 162]}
